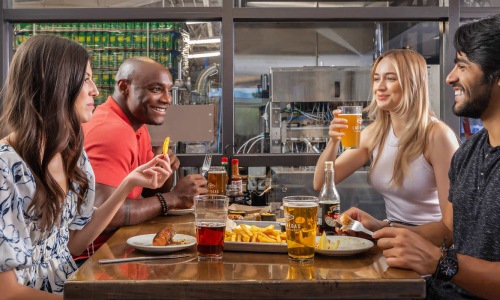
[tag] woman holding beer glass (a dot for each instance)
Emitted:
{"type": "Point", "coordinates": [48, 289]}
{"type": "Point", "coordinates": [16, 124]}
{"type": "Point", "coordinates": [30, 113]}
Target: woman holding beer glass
{"type": "Point", "coordinates": [408, 147]}
{"type": "Point", "coordinates": [47, 182]}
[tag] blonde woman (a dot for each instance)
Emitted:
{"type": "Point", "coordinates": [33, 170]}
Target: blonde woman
{"type": "Point", "coordinates": [408, 147]}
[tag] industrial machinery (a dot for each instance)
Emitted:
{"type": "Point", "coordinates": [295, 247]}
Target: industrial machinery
{"type": "Point", "coordinates": [302, 100]}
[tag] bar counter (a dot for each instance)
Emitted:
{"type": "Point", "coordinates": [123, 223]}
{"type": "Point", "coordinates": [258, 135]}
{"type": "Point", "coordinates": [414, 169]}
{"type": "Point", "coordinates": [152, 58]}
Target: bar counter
{"type": "Point", "coordinates": [241, 275]}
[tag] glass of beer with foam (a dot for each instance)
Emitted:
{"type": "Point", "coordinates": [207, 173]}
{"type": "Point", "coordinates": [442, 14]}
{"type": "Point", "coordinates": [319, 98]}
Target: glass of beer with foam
{"type": "Point", "coordinates": [353, 115]}
{"type": "Point", "coordinates": [217, 180]}
{"type": "Point", "coordinates": [301, 216]}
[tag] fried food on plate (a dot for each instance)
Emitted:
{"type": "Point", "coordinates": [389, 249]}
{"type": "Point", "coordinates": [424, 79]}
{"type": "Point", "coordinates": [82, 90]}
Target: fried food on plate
{"type": "Point", "coordinates": [164, 237]}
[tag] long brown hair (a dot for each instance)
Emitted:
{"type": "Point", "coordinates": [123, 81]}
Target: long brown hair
{"type": "Point", "coordinates": [44, 80]}
{"type": "Point", "coordinates": [414, 107]}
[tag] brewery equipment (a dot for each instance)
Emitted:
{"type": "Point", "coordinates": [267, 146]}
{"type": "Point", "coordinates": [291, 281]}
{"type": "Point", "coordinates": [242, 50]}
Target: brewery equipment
{"type": "Point", "coordinates": [302, 100]}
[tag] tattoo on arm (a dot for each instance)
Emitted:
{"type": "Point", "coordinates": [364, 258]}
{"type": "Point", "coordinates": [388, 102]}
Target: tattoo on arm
{"type": "Point", "coordinates": [126, 213]}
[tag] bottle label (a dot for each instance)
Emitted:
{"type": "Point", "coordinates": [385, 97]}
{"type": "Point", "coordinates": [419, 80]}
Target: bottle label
{"type": "Point", "coordinates": [328, 212]}
{"type": "Point", "coordinates": [239, 184]}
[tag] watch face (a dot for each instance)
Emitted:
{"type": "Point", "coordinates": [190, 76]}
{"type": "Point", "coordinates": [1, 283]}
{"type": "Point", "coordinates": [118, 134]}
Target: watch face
{"type": "Point", "coordinates": [450, 266]}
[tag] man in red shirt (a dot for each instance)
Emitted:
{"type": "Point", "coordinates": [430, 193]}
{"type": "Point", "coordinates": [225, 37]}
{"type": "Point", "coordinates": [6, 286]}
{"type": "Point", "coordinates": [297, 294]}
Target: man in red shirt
{"type": "Point", "coordinates": [117, 141]}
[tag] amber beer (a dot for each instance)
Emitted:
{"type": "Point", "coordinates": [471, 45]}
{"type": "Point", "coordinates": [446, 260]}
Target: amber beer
{"type": "Point", "coordinates": [301, 214]}
{"type": "Point", "coordinates": [353, 131]}
{"type": "Point", "coordinates": [210, 213]}
{"type": "Point", "coordinates": [300, 271]}
{"type": "Point", "coordinates": [210, 237]}
{"type": "Point", "coordinates": [217, 180]}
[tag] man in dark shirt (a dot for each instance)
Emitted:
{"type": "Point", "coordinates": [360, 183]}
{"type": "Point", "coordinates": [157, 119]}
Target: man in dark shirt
{"type": "Point", "coordinates": [462, 251]}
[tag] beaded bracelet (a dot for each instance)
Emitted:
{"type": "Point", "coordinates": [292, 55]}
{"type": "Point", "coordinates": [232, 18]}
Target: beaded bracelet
{"type": "Point", "coordinates": [164, 206]}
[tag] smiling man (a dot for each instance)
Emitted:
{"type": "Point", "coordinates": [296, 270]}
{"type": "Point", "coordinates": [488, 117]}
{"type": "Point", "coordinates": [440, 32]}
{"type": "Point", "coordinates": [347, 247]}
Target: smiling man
{"type": "Point", "coordinates": [462, 251]}
{"type": "Point", "coordinates": [117, 140]}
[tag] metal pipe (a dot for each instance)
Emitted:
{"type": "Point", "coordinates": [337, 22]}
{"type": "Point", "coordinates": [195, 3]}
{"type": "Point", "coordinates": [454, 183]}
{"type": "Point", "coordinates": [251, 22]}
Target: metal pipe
{"type": "Point", "coordinates": [201, 86]}
{"type": "Point", "coordinates": [378, 41]}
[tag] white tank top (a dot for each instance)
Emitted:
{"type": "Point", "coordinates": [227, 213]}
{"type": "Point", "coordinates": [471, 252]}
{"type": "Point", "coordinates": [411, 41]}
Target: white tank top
{"type": "Point", "coordinates": [416, 201]}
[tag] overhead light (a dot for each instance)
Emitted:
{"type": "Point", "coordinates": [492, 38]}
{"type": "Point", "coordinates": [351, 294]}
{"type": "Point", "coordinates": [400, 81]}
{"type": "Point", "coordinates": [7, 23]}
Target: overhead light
{"type": "Point", "coordinates": [205, 54]}
{"type": "Point", "coordinates": [204, 41]}
{"type": "Point", "coordinates": [196, 22]}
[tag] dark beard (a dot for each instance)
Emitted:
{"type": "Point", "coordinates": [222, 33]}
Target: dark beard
{"type": "Point", "coordinates": [475, 106]}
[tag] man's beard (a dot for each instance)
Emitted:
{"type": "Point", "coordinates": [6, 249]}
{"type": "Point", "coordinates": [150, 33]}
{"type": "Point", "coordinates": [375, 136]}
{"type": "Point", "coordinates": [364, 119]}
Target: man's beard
{"type": "Point", "coordinates": [474, 106]}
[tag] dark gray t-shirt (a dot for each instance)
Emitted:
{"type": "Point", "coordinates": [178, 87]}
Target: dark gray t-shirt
{"type": "Point", "coordinates": [475, 196]}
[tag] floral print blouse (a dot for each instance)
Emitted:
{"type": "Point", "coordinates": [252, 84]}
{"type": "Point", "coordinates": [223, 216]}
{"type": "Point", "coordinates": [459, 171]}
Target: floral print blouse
{"type": "Point", "coordinates": [39, 261]}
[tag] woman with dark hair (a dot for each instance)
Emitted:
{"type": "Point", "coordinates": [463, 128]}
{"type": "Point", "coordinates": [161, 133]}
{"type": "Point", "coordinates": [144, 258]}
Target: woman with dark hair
{"type": "Point", "coordinates": [47, 183]}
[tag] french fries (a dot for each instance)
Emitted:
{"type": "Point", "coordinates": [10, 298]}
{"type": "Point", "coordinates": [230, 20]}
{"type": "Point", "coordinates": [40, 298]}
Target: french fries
{"type": "Point", "coordinates": [166, 143]}
{"type": "Point", "coordinates": [254, 234]}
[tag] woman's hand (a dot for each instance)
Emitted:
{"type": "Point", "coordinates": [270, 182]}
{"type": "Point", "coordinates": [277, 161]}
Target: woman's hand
{"type": "Point", "coordinates": [335, 125]}
{"type": "Point", "coordinates": [365, 218]}
{"type": "Point", "coordinates": [151, 175]}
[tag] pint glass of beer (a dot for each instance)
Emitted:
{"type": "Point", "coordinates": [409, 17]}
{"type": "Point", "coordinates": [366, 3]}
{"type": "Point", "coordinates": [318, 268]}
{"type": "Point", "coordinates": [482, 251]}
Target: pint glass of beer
{"type": "Point", "coordinates": [210, 213]}
{"type": "Point", "coordinates": [301, 215]}
{"type": "Point", "coordinates": [353, 131]}
{"type": "Point", "coordinates": [217, 180]}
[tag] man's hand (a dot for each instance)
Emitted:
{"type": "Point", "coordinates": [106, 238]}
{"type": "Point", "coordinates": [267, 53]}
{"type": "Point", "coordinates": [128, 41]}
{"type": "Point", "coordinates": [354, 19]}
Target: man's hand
{"type": "Point", "coordinates": [184, 191]}
{"type": "Point", "coordinates": [174, 161]}
{"type": "Point", "coordinates": [408, 250]}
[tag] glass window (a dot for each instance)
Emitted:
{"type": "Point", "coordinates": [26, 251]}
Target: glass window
{"type": "Point", "coordinates": [191, 52]}
{"type": "Point", "coordinates": [289, 77]}
{"type": "Point", "coordinates": [112, 3]}
{"type": "Point", "coordinates": [330, 3]}
{"type": "Point", "coordinates": [480, 3]}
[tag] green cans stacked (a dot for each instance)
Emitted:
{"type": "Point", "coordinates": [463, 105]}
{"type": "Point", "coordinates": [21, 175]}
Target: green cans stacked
{"type": "Point", "coordinates": [113, 41]}
{"type": "Point", "coordinates": [138, 40]}
{"type": "Point", "coordinates": [129, 40]}
{"type": "Point", "coordinates": [154, 41]}
{"type": "Point", "coordinates": [89, 39]}
{"type": "Point", "coordinates": [167, 40]}
{"type": "Point", "coordinates": [105, 78]}
{"type": "Point", "coordinates": [97, 78]}
{"type": "Point", "coordinates": [105, 59]}
{"type": "Point", "coordinates": [153, 26]}
{"type": "Point", "coordinates": [112, 64]}
{"type": "Point", "coordinates": [120, 40]}
{"type": "Point", "coordinates": [81, 38]}
{"type": "Point", "coordinates": [105, 39]}
{"type": "Point", "coordinates": [98, 40]}
{"type": "Point", "coordinates": [120, 57]}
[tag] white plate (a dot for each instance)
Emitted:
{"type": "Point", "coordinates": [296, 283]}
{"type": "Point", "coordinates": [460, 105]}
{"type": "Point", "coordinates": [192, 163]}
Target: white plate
{"type": "Point", "coordinates": [349, 245]}
{"type": "Point", "coordinates": [255, 247]}
{"type": "Point", "coordinates": [180, 212]}
{"type": "Point", "coordinates": [145, 243]}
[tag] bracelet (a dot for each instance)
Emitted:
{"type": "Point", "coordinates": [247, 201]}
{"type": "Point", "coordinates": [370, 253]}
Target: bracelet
{"type": "Point", "coordinates": [389, 222]}
{"type": "Point", "coordinates": [164, 206]}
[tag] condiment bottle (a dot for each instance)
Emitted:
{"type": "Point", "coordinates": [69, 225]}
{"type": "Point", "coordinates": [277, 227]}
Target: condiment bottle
{"type": "Point", "coordinates": [329, 201]}
{"type": "Point", "coordinates": [225, 164]}
{"type": "Point", "coordinates": [235, 177]}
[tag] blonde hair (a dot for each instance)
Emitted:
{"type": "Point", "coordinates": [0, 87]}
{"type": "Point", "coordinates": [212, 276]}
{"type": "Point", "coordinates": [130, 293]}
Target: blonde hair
{"type": "Point", "coordinates": [414, 108]}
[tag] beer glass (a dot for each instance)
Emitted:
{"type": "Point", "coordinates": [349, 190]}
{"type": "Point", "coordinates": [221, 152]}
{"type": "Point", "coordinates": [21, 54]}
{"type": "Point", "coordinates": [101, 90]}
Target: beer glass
{"type": "Point", "coordinates": [210, 217]}
{"type": "Point", "coordinates": [301, 215]}
{"type": "Point", "coordinates": [353, 114]}
{"type": "Point", "coordinates": [217, 180]}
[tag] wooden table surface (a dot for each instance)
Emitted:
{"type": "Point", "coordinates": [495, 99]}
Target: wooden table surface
{"type": "Point", "coordinates": [241, 275]}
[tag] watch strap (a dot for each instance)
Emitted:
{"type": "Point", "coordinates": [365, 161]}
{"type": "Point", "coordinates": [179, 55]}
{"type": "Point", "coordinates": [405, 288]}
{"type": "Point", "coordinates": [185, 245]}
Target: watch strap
{"type": "Point", "coordinates": [448, 264]}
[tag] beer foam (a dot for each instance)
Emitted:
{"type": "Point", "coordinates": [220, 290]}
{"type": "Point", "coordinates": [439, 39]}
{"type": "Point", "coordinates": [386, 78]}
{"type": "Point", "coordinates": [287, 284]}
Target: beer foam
{"type": "Point", "coordinates": [300, 204]}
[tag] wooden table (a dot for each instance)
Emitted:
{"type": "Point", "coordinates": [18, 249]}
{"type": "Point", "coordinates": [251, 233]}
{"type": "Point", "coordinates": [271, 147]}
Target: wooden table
{"type": "Point", "coordinates": [241, 275]}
